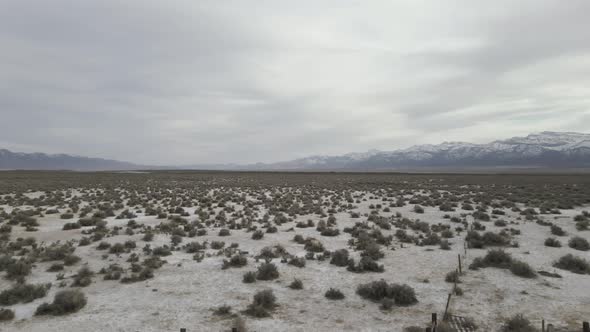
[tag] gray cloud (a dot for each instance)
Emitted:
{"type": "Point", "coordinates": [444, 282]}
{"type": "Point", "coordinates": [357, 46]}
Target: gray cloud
{"type": "Point", "coordinates": [182, 82]}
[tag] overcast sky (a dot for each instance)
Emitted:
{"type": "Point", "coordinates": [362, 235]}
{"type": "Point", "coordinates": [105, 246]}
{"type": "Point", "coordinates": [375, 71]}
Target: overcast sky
{"type": "Point", "coordinates": [196, 81]}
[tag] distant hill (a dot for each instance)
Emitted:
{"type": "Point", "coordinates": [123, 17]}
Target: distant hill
{"type": "Point", "coordinates": [42, 161]}
{"type": "Point", "coordinates": [540, 150]}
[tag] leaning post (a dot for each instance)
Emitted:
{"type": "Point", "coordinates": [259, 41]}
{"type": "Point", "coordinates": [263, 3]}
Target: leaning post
{"type": "Point", "coordinates": [447, 306]}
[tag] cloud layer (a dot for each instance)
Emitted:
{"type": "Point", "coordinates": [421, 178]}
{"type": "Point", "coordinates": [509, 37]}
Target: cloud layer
{"type": "Point", "coordinates": [187, 82]}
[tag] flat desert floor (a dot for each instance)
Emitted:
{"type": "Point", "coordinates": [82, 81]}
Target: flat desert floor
{"type": "Point", "coordinates": [404, 229]}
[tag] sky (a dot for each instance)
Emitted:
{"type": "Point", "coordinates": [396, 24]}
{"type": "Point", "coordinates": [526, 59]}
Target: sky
{"type": "Point", "coordinates": [232, 81]}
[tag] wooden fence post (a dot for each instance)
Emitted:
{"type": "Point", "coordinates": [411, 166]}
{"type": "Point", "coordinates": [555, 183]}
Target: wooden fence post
{"type": "Point", "coordinates": [585, 327]}
{"type": "Point", "coordinates": [447, 306]}
{"type": "Point", "coordinates": [542, 325]}
{"type": "Point", "coordinates": [550, 328]}
{"type": "Point", "coordinates": [182, 329]}
{"type": "Point", "coordinates": [459, 258]}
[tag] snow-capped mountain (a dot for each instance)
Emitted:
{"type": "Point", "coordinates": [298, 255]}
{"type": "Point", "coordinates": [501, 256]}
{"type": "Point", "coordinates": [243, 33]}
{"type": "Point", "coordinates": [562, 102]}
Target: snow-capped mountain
{"type": "Point", "coordinates": [545, 149]}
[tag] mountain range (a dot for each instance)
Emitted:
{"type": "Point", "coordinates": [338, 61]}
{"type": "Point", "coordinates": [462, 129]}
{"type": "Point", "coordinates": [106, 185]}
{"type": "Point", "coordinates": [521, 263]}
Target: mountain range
{"type": "Point", "coordinates": [42, 161]}
{"type": "Point", "coordinates": [539, 150]}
